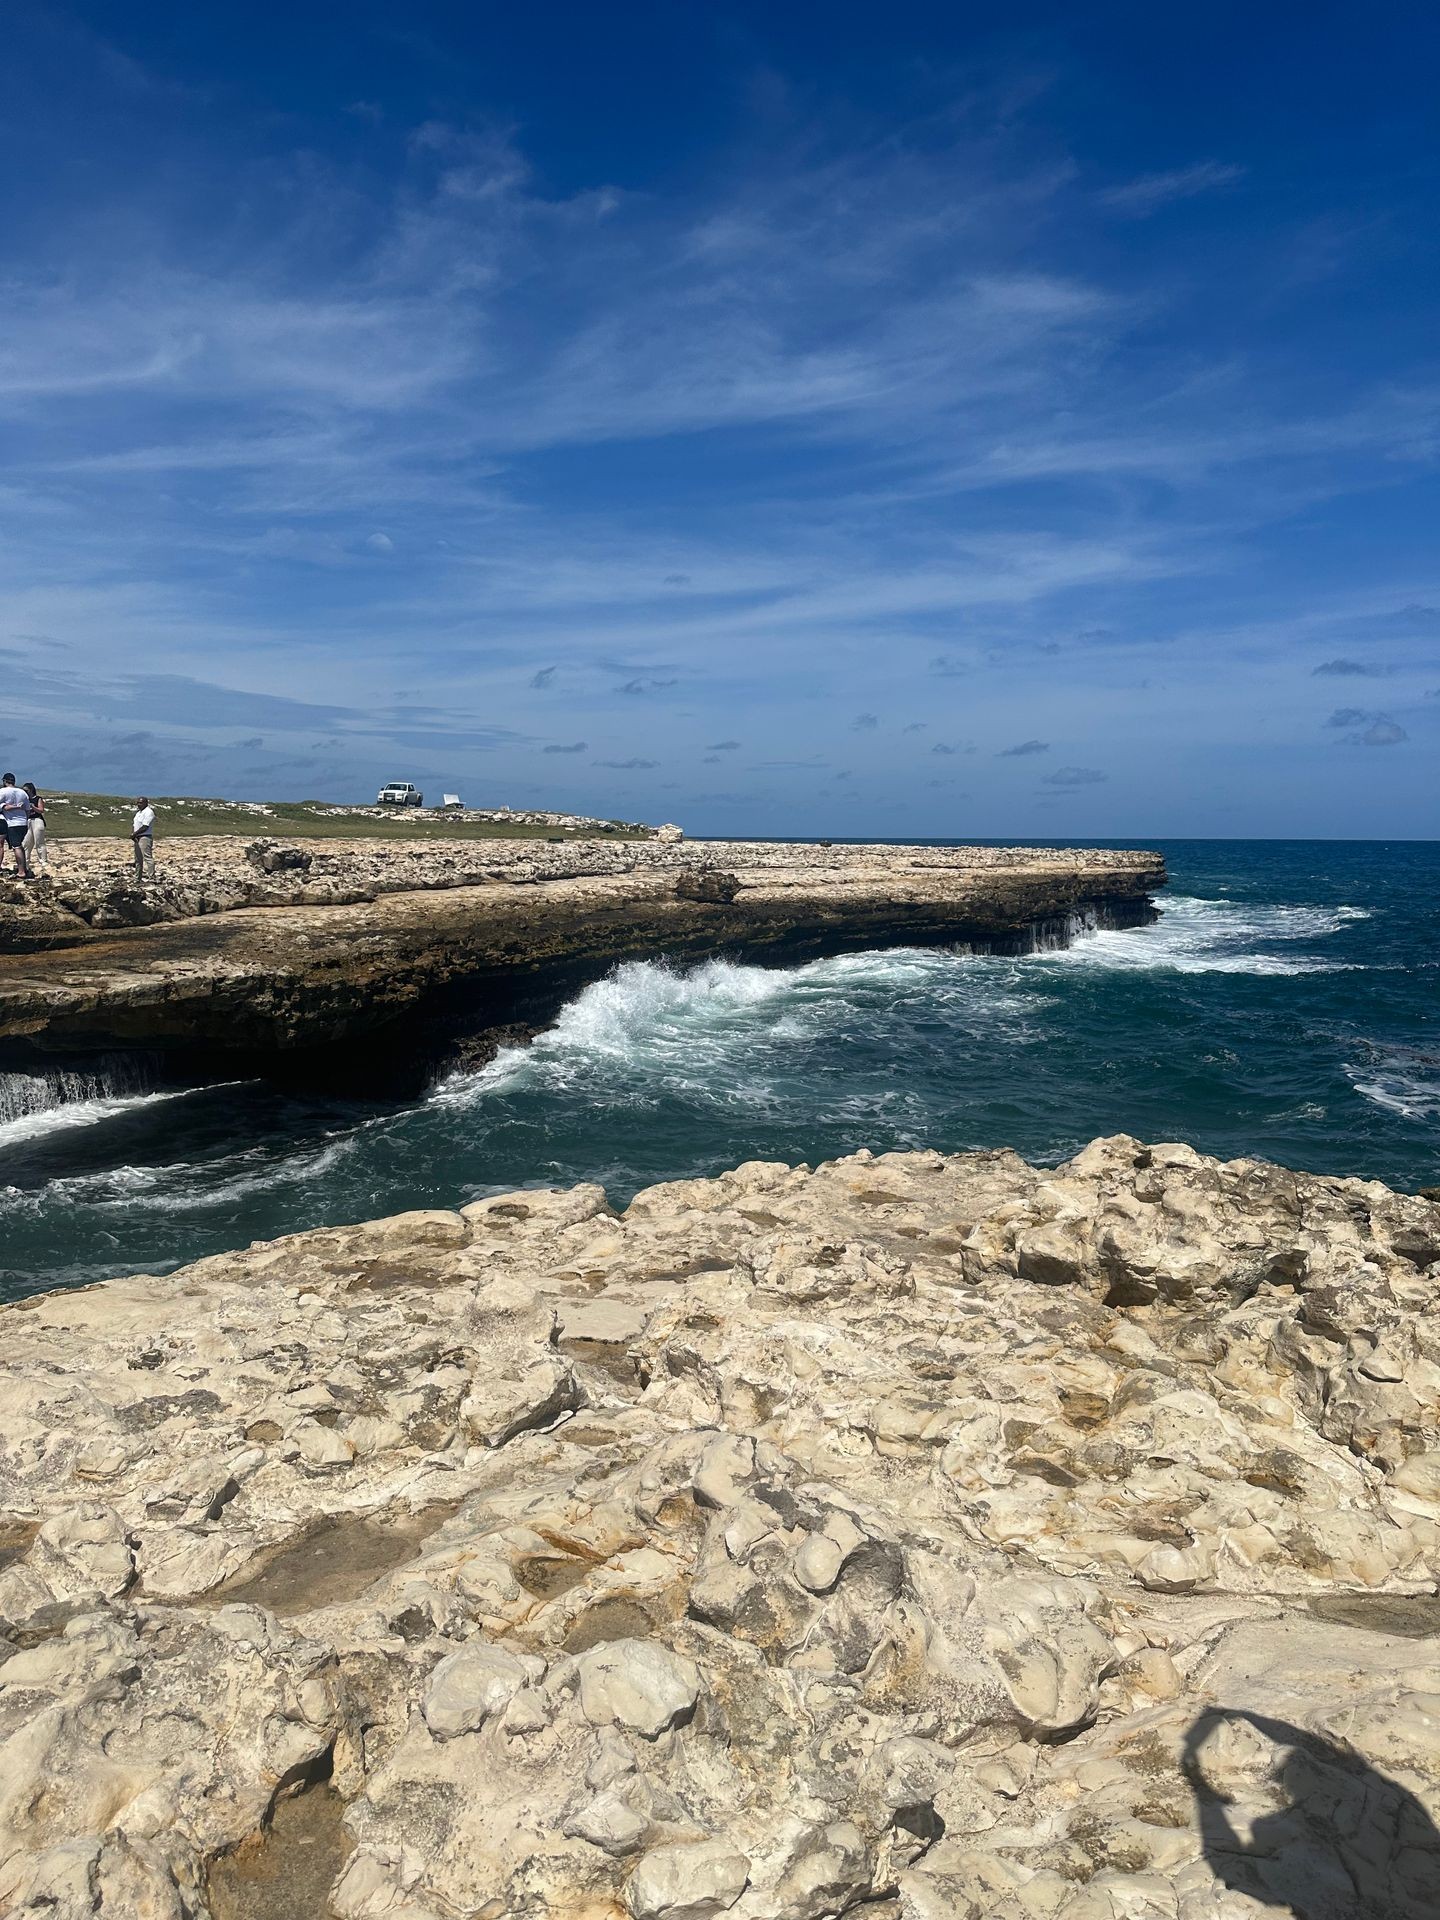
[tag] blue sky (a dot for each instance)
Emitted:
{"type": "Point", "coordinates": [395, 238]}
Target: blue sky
{"type": "Point", "coordinates": [916, 420]}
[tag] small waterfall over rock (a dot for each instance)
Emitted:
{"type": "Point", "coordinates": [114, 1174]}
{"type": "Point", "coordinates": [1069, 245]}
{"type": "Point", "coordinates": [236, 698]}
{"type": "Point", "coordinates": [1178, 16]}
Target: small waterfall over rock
{"type": "Point", "coordinates": [24, 1096]}
{"type": "Point", "coordinates": [1058, 932]}
{"type": "Point", "coordinates": [1054, 936]}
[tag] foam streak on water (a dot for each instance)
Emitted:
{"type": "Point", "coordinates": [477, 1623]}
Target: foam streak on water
{"type": "Point", "coordinates": [1285, 1003]}
{"type": "Point", "coordinates": [62, 1115]}
{"type": "Point", "coordinates": [1404, 1080]}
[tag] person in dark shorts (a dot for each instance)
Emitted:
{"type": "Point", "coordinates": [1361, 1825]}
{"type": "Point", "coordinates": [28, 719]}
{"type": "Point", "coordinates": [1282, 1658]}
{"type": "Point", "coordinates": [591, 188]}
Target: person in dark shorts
{"type": "Point", "coordinates": [15, 820]}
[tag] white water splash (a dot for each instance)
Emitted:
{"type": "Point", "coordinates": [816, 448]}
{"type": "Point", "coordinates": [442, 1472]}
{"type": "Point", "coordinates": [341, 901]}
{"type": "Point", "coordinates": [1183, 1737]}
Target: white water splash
{"type": "Point", "coordinates": [733, 1033]}
{"type": "Point", "coordinates": [63, 1116]}
{"type": "Point", "coordinates": [24, 1096]}
{"type": "Point", "coordinates": [1216, 936]}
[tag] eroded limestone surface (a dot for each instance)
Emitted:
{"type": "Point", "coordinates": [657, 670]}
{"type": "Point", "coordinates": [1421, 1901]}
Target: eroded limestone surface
{"type": "Point", "coordinates": [91, 881]}
{"type": "Point", "coordinates": [945, 1535]}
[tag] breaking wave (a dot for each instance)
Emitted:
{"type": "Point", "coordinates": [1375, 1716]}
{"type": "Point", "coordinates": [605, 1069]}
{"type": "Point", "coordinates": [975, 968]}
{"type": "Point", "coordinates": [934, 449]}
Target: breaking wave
{"type": "Point", "coordinates": [743, 1035]}
{"type": "Point", "coordinates": [723, 1027]}
{"type": "Point", "coordinates": [1218, 936]}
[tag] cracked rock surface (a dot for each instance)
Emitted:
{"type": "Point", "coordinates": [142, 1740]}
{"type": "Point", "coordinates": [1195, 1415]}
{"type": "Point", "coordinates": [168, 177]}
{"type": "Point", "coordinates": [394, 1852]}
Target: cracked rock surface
{"type": "Point", "coordinates": [933, 1537]}
{"type": "Point", "coordinates": [91, 884]}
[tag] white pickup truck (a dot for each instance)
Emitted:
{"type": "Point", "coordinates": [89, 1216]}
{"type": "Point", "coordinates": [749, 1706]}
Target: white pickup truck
{"type": "Point", "coordinates": [399, 793]}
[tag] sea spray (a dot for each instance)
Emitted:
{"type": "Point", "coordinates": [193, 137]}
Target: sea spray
{"type": "Point", "coordinates": [1217, 936]}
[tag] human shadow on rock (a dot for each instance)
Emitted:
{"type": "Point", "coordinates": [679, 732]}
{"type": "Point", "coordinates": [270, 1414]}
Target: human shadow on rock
{"type": "Point", "coordinates": [1324, 1835]}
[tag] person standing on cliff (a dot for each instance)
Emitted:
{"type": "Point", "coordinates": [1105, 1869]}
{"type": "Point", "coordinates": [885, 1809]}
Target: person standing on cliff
{"type": "Point", "coordinates": [142, 834]}
{"type": "Point", "coordinates": [36, 854]}
{"type": "Point", "coordinates": [15, 819]}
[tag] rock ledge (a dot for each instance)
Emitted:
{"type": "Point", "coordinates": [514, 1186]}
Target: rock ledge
{"type": "Point", "coordinates": [231, 960]}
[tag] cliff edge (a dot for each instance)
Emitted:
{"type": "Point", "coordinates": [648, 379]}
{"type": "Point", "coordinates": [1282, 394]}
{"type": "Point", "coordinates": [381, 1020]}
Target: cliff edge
{"type": "Point", "coordinates": [309, 946]}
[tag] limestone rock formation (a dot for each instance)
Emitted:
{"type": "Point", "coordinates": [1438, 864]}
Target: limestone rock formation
{"type": "Point", "coordinates": [276, 856]}
{"type": "Point", "coordinates": [313, 946]}
{"type": "Point", "coordinates": [713, 884]}
{"type": "Point", "coordinates": [933, 1537]}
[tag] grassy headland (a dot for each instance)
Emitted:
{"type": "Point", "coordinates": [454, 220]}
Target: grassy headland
{"type": "Point", "coordinates": [108, 815]}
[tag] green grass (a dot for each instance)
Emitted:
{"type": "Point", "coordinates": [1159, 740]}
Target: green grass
{"type": "Point", "coordinates": [108, 816]}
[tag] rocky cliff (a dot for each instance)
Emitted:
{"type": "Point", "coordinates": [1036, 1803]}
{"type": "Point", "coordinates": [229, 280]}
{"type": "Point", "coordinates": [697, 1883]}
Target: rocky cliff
{"type": "Point", "coordinates": [311, 946]}
{"type": "Point", "coordinates": [937, 1538]}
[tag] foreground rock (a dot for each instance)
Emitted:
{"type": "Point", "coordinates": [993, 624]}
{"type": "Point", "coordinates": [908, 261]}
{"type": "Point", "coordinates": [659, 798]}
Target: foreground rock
{"type": "Point", "coordinates": [287, 947]}
{"type": "Point", "coordinates": [946, 1536]}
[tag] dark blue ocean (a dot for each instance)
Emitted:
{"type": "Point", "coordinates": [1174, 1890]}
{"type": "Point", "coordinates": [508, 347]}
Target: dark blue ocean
{"type": "Point", "coordinates": [1286, 1005]}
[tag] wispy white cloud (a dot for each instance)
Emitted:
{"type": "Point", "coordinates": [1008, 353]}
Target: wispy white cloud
{"type": "Point", "coordinates": [1150, 192]}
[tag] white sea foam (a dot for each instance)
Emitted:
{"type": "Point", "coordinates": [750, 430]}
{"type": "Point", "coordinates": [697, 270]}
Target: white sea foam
{"type": "Point", "coordinates": [61, 1117]}
{"type": "Point", "coordinates": [180, 1186]}
{"type": "Point", "coordinates": [1403, 1080]}
{"type": "Point", "coordinates": [730, 1033]}
{"type": "Point", "coordinates": [1214, 936]}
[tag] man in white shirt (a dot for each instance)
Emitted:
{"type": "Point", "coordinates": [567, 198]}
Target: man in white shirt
{"type": "Point", "coordinates": [142, 833]}
{"type": "Point", "coordinates": [14, 819]}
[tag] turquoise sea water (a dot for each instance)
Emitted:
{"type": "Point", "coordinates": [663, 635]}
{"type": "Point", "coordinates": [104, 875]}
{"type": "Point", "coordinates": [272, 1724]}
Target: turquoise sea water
{"type": "Point", "coordinates": [1287, 1005]}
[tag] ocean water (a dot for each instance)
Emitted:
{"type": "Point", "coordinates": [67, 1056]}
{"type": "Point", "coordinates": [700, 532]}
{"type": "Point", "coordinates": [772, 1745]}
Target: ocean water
{"type": "Point", "coordinates": [1285, 1005]}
